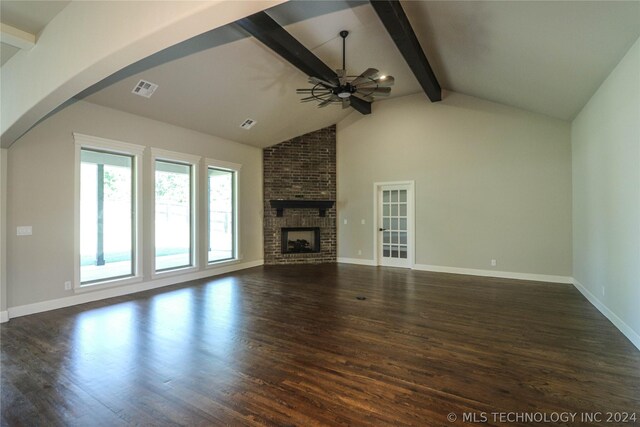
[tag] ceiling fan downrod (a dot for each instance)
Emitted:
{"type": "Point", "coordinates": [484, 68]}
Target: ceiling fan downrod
{"type": "Point", "coordinates": [344, 34]}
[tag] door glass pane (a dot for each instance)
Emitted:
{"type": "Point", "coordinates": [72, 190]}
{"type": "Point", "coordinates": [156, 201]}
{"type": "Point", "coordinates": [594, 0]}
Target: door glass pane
{"type": "Point", "coordinates": [385, 210]}
{"type": "Point", "coordinates": [394, 252]}
{"type": "Point", "coordinates": [403, 252]}
{"type": "Point", "coordinates": [386, 237]}
{"type": "Point", "coordinates": [106, 216]}
{"type": "Point", "coordinates": [403, 224]}
{"type": "Point", "coordinates": [173, 215]}
{"type": "Point", "coordinates": [386, 223]}
{"type": "Point", "coordinates": [394, 237]}
{"type": "Point", "coordinates": [386, 251]}
{"type": "Point", "coordinates": [394, 210]}
{"type": "Point", "coordinates": [394, 223]}
{"type": "Point", "coordinates": [403, 195]}
{"type": "Point", "coordinates": [394, 195]}
{"type": "Point", "coordinates": [221, 215]}
{"type": "Point", "coordinates": [385, 196]}
{"type": "Point", "coordinates": [403, 209]}
{"type": "Point", "coordinates": [403, 238]}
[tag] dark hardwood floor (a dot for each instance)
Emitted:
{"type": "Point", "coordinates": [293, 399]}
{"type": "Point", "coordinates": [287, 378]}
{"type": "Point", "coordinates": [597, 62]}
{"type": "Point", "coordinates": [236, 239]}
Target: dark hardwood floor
{"type": "Point", "coordinates": [292, 345]}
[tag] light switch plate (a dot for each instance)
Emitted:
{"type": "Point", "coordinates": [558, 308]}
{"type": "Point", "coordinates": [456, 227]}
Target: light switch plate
{"type": "Point", "coordinates": [24, 230]}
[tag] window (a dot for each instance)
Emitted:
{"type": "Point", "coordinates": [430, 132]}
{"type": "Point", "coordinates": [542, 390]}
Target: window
{"type": "Point", "coordinates": [107, 229]}
{"type": "Point", "coordinates": [222, 184]}
{"type": "Point", "coordinates": [173, 215]}
{"type": "Point", "coordinates": [174, 210]}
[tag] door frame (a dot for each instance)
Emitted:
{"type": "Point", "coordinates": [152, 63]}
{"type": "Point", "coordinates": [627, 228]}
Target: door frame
{"type": "Point", "coordinates": [411, 219]}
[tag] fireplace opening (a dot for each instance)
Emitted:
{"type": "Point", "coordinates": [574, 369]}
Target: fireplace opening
{"type": "Point", "coordinates": [300, 240]}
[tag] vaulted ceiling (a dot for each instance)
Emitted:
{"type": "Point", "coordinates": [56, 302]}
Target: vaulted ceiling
{"type": "Point", "coordinates": [545, 57]}
{"type": "Point", "coordinates": [27, 17]}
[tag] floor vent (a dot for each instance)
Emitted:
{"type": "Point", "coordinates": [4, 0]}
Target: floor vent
{"type": "Point", "coordinates": [145, 88]}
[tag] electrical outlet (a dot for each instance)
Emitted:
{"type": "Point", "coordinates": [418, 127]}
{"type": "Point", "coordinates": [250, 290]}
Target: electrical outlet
{"type": "Point", "coordinates": [67, 286]}
{"type": "Point", "coordinates": [494, 263]}
{"type": "Point", "coordinates": [359, 251]}
{"type": "Point", "coordinates": [345, 221]}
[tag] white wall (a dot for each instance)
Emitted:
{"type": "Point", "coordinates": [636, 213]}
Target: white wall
{"type": "Point", "coordinates": [605, 139]}
{"type": "Point", "coordinates": [492, 182]}
{"type": "Point", "coordinates": [41, 194]}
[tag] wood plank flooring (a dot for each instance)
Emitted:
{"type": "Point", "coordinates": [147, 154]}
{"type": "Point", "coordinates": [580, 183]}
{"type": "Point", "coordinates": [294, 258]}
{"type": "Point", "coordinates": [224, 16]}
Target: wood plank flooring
{"type": "Point", "coordinates": [292, 345]}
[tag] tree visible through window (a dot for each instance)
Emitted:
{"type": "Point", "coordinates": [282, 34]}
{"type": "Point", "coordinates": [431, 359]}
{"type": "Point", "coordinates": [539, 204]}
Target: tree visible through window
{"type": "Point", "coordinates": [106, 216]}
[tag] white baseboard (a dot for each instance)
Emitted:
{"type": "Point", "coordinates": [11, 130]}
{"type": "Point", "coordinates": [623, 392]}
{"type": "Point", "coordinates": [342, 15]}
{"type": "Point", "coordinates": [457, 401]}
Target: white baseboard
{"type": "Point", "coordinates": [617, 322]}
{"type": "Point", "coordinates": [4, 316]}
{"type": "Point", "coordinates": [472, 272]}
{"type": "Point", "coordinates": [494, 273]}
{"type": "Point", "coordinates": [358, 261]}
{"type": "Point", "coordinates": [38, 307]}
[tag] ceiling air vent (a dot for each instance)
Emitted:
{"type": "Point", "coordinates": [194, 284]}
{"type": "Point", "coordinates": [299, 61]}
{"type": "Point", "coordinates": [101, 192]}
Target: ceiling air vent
{"type": "Point", "coordinates": [248, 124]}
{"type": "Point", "coordinates": [145, 88]}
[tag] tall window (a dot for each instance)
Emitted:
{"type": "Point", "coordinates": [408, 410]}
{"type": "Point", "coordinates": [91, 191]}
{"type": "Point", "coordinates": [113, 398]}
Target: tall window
{"type": "Point", "coordinates": [107, 238]}
{"type": "Point", "coordinates": [174, 215]}
{"type": "Point", "coordinates": [222, 214]}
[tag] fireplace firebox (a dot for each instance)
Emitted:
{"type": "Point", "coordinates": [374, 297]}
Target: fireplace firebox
{"type": "Point", "coordinates": [300, 240]}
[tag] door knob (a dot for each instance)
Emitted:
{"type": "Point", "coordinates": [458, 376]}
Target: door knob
{"type": "Point", "coordinates": [382, 229]}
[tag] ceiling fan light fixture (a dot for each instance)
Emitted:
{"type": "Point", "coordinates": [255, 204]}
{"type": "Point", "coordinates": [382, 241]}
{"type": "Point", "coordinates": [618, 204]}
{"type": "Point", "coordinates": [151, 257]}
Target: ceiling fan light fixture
{"type": "Point", "coordinates": [341, 89]}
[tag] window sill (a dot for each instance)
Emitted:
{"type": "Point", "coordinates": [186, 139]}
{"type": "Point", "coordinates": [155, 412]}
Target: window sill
{"type": "Point", "coordinates": [174, 272]}
{"type": "Point", "coordinates": [217, 264]}
{"type": "Point", "coordinates": [107, 284]}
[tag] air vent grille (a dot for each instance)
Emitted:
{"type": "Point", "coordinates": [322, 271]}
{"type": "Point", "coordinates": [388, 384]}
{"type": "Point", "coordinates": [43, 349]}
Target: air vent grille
{"type": "Point", "coordinates": [248, 124]}
{"type": "Point", "coordinates": [145, 88]}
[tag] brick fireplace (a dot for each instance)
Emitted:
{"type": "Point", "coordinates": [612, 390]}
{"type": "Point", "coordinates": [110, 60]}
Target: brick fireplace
{"type": "Point", "coordinates": [300, 185]}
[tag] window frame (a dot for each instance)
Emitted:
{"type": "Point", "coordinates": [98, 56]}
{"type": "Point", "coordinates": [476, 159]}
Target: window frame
{"type": "Point", "coordinates": [136, 152]}
{"type": "Point", "coordinates": [235, 168]}
{"type": "Point", "coordinates": [193, 161]}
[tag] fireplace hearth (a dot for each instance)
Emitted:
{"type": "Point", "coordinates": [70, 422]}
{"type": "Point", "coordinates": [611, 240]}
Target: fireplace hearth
{"type": "Point", "coordinates": [300, 240]}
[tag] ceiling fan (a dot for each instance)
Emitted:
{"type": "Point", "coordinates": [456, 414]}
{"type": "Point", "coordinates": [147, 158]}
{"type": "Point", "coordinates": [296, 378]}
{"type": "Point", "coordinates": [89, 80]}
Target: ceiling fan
{"type": "Point", "coordinates": [342, 90]}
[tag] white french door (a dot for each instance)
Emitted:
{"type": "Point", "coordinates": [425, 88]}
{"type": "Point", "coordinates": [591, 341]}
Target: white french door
{"type": "Point", "coordinates": [395, 224]}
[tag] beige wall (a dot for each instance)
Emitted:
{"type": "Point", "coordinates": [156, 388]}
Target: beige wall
{"type": "Point", "coordinates": [41, 183]}
{"type": "Point", "coordinates": [3, 231]}
{"type": "Point", "coordinates": [491, 182]}
{"type": "Point", "coordinates": [605, 140]}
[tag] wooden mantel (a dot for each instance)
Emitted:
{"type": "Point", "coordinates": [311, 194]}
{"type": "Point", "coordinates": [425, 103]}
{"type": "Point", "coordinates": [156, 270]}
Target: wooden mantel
{"type": "Point", "coordinates": [321, 205]}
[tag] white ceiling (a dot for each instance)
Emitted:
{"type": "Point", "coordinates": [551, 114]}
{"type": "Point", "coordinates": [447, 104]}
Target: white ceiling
{"type": "Point", "coordinates": [546, 57]}
{"type": "Point", "coordinates": [28, 16]}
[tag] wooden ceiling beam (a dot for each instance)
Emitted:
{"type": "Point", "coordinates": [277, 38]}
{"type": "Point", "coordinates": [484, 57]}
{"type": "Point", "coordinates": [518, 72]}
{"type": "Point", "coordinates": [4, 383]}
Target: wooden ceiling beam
{"type": "Point", "coordinates": [269, 32]}
{"type": "Point", "coordinates": [397, 24]}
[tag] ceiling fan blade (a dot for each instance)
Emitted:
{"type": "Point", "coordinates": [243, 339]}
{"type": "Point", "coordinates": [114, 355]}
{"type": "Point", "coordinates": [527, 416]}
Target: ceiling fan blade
{"type": "Point", "coordinates": [316, 81]}
{"type": "Point", "coordinates": [382, 91]}
{"type": "Point", "coordinates": [342, 76]}
{"type": "Point", "coordinates": [362, 97]}
{"type": "Point", "coordinates": [329, 100]}
{"type": "Point", "coordinates": [346, 102]}
{"type": "Point", "coordinates": [386, 82]}
{"type": "Point", "coordinates": [369, 74]}
{"type": "Point", "coordinates": [308, 98]}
